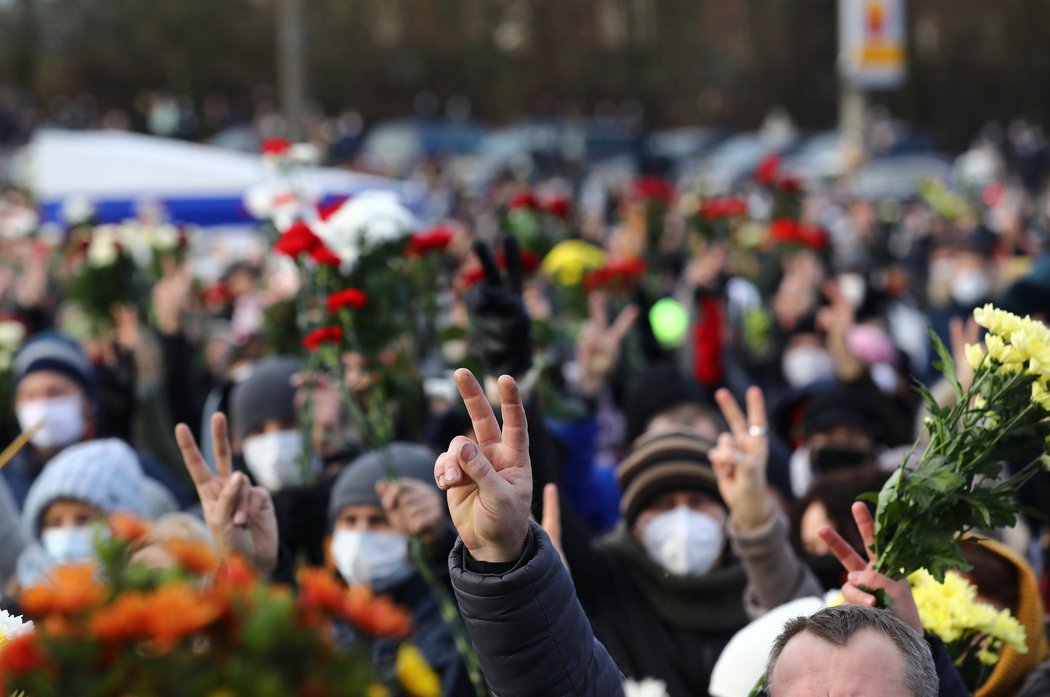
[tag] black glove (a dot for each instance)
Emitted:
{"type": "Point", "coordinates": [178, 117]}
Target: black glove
{"type": "Point", "coordinates": [500, 325]}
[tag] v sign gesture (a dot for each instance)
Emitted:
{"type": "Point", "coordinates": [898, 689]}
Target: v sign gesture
{"type": "Point", "coordinates": [489, 483]}
{"type": "Point", "coordinates": [739, 460]}
{"type": "Point", "coordinates": [240, 516]}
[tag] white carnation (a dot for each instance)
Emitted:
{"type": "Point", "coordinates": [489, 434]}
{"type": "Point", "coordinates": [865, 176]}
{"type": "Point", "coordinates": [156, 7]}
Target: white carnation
{"type": "Point", "coordinates": [12, 626]}
{"type": "Point", "coordinates": [103, 249]}
{"type": "Point", "coordinates": [365, 222]}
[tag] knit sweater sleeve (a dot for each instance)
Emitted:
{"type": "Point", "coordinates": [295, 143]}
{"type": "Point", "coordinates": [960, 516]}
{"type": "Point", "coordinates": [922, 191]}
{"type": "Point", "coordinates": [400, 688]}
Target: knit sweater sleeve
{"type": "Point", "coordinates": [775, 573]}
{"type": "Point", "coordinates": [12, 537]}
{"type": "Point", "coordinates": [532, 637]}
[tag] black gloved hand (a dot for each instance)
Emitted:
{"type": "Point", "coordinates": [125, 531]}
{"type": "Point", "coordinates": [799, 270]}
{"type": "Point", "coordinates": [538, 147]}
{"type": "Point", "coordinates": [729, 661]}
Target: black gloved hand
{"type": "Point", "coordinates": [500, 325]}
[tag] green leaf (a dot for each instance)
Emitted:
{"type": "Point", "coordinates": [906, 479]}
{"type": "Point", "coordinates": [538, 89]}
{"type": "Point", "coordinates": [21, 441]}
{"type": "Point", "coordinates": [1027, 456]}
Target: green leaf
{"type": "Point", "coordinates": [947, 364]}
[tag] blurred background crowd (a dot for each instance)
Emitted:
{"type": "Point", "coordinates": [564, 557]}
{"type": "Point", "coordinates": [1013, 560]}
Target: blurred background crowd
{"type": "Point", "coordinates": [672, 234]}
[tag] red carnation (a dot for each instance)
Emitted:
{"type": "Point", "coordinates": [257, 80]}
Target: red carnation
{"type": "Point", "coordinates": [716, 208]}
{"type": "Point", "coordinates": [790, 185]}
{"type": "Point", "coordinates": [297, 239]}
{"type": "Point", "coordinates": [812, 237]}
{"type": "Point", "coordinates": [324, 256]}
{"type": "Point", "coordinates": [784, 231]}
{"type": "Point", "coordinates": [654, 189]}
{"type": "Point", "coordinates": [276, 146]}
{"type": "Point", "coordinates": [559, 207]}
{"type": "Point", "coordinates": [433, 240]}
{"type": "Point", "coordinates": [324, 335]}
{"type": "Point", "coordinates": [525, 201]}
{"type": "Point", "coordinates": [615, 274]}
{"type": "Point", "coordinates": [350, 298]}
{"type": "Point", "coordinates": [529, 263]}
{"type": "Point", "coordinates": [767, 170]}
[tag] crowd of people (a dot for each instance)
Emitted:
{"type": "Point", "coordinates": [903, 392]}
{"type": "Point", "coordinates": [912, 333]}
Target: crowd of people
{"type": "Point", "coordinates": [688, 433]}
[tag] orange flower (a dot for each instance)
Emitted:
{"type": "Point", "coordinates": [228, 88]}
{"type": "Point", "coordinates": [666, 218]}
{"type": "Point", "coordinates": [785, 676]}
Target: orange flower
{"type": "Point", "coordinates": [21, 655]}
{"type": "Point", "coordinates": [196, 557]}
{"type": "Point", "coordinates": [127, 528]}
{"type": "Point", "coordinates": [176, 611]}
{"type": "Point", "coordinates": [71, 589]}
{"type": "Point", "coordinates": [236, 573]}
{"type": "Point", "coordinates": [318, 590]}
{"type": "Point", "coordinates": [377, 615]}
{"type": "Point", "coordinates": [124, 621]}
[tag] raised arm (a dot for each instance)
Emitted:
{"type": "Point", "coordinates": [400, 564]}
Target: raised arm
{"type": "Point", "coordinates": [532, 637]}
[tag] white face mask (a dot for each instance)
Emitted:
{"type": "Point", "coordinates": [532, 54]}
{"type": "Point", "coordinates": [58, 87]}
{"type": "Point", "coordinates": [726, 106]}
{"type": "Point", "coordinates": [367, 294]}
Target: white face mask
{"type": "Point", "coordinates": [63, 419]}
{"type": "Point", "coordinates": [273, 458]}
{"type": "Point", "coordinates": [374, 559]}
{"type": "Point", "coordinates": [969, 288]}
{"type": "Point", "coordinates": [68, 545]}
{"type": "Point", "coordinates": [804, 365]}
{"type": "Point", "coordinates": [684, 541]}
{"type": "Point", "coordinates": [853, 288]}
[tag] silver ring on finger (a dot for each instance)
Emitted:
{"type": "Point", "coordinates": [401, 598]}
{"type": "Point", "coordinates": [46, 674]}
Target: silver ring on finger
{"type": "Point", "coordinates": [759, 431]}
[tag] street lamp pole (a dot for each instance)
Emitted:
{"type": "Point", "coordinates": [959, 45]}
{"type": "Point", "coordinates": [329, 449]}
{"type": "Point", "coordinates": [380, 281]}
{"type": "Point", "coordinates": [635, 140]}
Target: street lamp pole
{"type": "Point", "coordinates": [291, 65]}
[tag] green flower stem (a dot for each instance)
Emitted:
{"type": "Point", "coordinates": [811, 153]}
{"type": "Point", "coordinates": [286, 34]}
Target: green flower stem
{"type": "Point", "coordinates": [379, 432]}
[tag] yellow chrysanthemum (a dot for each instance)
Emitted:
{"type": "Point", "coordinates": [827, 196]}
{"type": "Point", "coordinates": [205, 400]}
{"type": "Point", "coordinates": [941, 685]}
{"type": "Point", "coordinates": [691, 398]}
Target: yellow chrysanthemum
{"type": "Point", "coordinates": [997, 321]}
{"type": "Point", "coordinates": [377, 690]}
{"type": "Point", "coordinates": [975, 355]}
{"type": "Point", "coordinates": [1040, 395]}
{"type": "Point", "coordinates": [418, 678]}
{"type": "Point", "coordinates": [570, 260]}
{"type": "Point", "coordinates": [951, 611]}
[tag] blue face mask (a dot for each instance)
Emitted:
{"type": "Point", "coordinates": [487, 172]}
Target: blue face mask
{"type": "Point", "coordinates": [68, 545]}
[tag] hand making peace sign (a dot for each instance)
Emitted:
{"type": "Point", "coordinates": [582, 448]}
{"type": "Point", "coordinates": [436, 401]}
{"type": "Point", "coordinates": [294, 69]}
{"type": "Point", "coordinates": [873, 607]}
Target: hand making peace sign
{"type": "Point", "coordinates": [489, 483]}
{"type": "Point", "coordinates": [739, 460]}
{"type": "Point", "coordinates": [240, 516]}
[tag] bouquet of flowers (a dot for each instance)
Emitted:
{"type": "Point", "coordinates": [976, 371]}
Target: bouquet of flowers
{"type": "Point", "coordinates": [973, 632]}
{"type": "Point", "coordinates": [202, 628]}
{"type": "Point", "coordinates": [959, 482]}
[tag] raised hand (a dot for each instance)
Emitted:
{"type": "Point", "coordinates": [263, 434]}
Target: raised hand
{"type": "Point", "coordinates": [739, 460]}
{"type": "Point", "coordinates": [413, 508]}
{"type": "Point", "coordinates": [599, 344]}
{"type": "Point", "coordinates": [500, 323]}
{"type": "Point", "coordinates": [862, 577]}
{"type": "Point", "coordinates": [240, 516]}
{"type": "Point", "coordinates": [551, 522]}
{"type": "Point", "coordinates": [489, 483]}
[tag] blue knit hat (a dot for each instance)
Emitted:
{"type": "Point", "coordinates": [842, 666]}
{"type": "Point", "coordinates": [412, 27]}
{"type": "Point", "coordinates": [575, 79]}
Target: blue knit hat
{"type": "Point", "coordinates": [103, 473]}
{"type": "Point", "coordinates": [58, 353]}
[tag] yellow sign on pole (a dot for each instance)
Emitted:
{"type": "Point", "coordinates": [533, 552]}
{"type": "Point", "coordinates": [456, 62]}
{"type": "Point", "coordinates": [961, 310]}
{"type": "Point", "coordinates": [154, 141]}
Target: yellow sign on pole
{"type": "Point", "coordinates": [872, 43]}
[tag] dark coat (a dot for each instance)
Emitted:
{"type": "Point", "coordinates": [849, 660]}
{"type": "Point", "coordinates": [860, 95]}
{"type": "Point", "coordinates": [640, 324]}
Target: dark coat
{"type": "Point", "coordinates": [532, 637]}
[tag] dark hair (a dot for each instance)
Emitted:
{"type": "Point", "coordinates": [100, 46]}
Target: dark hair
{"type": "Point", "coordinates": [837, 625]}
{"type": "Point", "coordinates": [837, 491]}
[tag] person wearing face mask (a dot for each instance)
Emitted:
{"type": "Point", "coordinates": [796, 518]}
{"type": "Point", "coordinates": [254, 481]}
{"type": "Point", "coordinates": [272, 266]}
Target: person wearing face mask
{"type": "Point", "coordinates": [371, 522]}
{"type": "Point", "coordinates": [55, 398]}
{"type": "Point", "coordinates": [842, 429]}
{"type": "Point", "coordinates": [700, 551]}
{"type": "Point", "coordinates": [265, 419]}
{"type": "Point", "coordinates": [81, 485]}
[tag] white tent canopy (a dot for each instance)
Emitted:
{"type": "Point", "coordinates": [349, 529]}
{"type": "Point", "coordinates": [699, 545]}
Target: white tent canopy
{"type": "Point", "coordinates": [201, 184]}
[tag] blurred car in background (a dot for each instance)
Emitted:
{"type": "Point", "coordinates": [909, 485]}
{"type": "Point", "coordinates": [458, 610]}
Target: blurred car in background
{"type": "Point", "coordinates": [392, 148]}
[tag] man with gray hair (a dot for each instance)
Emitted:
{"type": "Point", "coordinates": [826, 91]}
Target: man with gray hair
{"type": "Point", "coordinates": [850, 650]}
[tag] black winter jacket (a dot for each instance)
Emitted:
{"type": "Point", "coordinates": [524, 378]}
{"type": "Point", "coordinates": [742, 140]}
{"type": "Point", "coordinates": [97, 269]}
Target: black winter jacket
{"type": "Point", "coordinates": [532, 637]}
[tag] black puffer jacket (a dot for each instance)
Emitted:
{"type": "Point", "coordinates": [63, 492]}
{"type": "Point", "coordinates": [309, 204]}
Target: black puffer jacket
{"type": "Point", "coordinates": [531, 635]}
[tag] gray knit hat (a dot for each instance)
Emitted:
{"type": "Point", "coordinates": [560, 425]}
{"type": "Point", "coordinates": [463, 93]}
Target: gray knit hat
{"type": "Point", "coordinates": [356, 484]}
{"type": "Point", "coordinates": [266, 394]}
{"type": "Point", "coordinates": [103, 473]}
{"type": "Point", "coordinates": [57, 353]}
